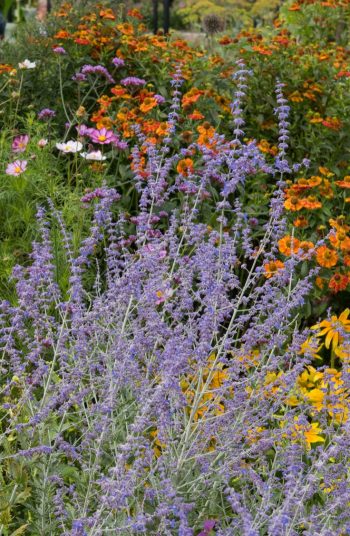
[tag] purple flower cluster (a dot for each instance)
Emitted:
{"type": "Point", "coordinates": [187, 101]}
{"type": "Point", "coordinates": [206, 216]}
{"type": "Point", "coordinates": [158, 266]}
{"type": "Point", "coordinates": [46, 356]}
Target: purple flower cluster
{"type": "Point", "coordinates": [133, 81]}
{"type": "Point", "coordinates": [154, 385]}
{"type": "Point", "coordinates": [118, 62]}
{"type": "Point", "coordinates": [46, 114]}
{"type": "Point", "coordinates": [59, 50]}
{"type": "Point", "coordinates": [93, 69]}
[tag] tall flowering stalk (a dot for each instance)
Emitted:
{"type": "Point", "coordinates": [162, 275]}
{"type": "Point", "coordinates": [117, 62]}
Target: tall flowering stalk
{"type": "Point", "coordinates": [164, 398]}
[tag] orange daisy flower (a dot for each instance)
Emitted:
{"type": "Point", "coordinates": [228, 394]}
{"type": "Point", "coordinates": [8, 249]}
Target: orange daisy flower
{"type": "Point", "coordinates": [191, 97]}
{"type": "Point", "coordinates": [333, 123]}
{"type": "Point", "coordinates": [301, 222]}
{"type": "Point", "coordinates": [196, 116]}
{"type": "Point", "coordinates": [126, 28]}
{"type": "Point", "coordinates": [288, 244]}
{"type": "Point", "coordinates": [162, 129]}
{"type": "Point", "coordinates": [311, 202]}
{"type": "Point", "coordinates": [315, 180]}
{"type": "Point", "coordinates": [206, 129]}
{"type": "Point", "coordinates": [338, 282]}
{"type": "Point", "coordinates": [185, 166]}
{"type": "Point", "coordinates": [345, 183]}
{"type": "Point", "coordinates": [326, 257]}
{"type": "Point", "coordinates": [272, 267]}
{"type": "Point", "coordinates": [325, 171]}
{"type": "Point", "coordinates": [148, 104]}
{"type": "Point", "coordinates": [107, 14]}
{"type": "Point", "coordinates": [340, 240]}
{"type": "Point", "coordinates": [320, 282]}
{"type": "Point", "coordinates": [326, 189]}
{"type": "Point", "coordinates": [293, 203]}
{"type": "Point", "coordinates": [345, 245]}
{"type": "Point", "coordinates": [306, 246]}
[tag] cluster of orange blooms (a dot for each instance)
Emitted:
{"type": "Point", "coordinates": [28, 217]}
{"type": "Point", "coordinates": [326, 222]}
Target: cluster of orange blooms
{"type": "Point", "coordinates": [324, 3]}
{"type": "Point", "coordinates": [331, 255]}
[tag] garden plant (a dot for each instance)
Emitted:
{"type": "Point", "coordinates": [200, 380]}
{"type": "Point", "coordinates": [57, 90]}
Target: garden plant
{"type": "Point", "coordinates": [175, 256]}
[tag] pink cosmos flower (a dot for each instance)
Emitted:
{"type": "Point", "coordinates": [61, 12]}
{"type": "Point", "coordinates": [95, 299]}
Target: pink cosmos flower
{"type": "Point", "coordinates": [20, 143]}
{"type": "Point", "coordinates": [102, 136]}
{"type": "Point", "coordinates": [16, 168]}
{"type": "Point", "coordinates": [94, 155]}
{"type": "Point", "coordinates": [42, 142]}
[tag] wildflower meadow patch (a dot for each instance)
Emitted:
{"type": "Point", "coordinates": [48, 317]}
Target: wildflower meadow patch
{"type": "Point", "coordinates": [174, 323]}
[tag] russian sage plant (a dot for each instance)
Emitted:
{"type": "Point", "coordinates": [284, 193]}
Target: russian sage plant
{"type": "Point", "coordinates": [159, 400]}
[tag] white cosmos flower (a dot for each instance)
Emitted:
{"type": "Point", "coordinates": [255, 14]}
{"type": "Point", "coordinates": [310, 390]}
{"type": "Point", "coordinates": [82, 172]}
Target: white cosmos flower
{"type": "Point", "coordinates": [70, 146]}
{"type": "Point", "coordinates": [94, 155]}
{"type": "Point", "coordinates": [26, 64]}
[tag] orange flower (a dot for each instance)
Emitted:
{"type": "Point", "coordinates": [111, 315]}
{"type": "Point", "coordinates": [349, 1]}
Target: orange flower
{"type": "Point", "coordinates": [293, 203]}
{"type": "Point", "coordinates": [340, 240]}
{"type": "Point", "coordinates": [345, 245]}
{"type": "Point", "coordinates": [185, 166]}
{"type": "Point", "coordinates": [339, 224]}
{"type": "Point", "coordinates": [320, 282]}
{"type": "Point", "coordinates": [135, 13]}
{"type": "Point", "coordinates": [272, 267]}
{"type": "Point", "coordinates": [332, 123]}
{"type": "Point", "coordinates": [262, 50]}
{"type": "Point", "coordinates": [295, 97]}
{"type": "Point", "coordinates": [226, 40]}
{"type": "Point", "coordinates": [104, 122]}
{"type": "Point", "coordinates": [305, 246]}
{"type": "Point", "coordinates": [126, 28]}
{"type": "Point", "coordinates": [316, 118]}
{"type": "Point", "coordinates": [288, 244]}
{"type": "Point", "coordinates": [301, 222]}
{"type": "Point", "coordinates": [326, 257]}
{"type": "Point", "coordinates": [311, 202]}
{"type": "Point", "coordinates": [148, 104]}
{"type": "Point", "coordinates": [325, 171]}
{"type": "Point", "coordinates": [61, 34]}
{"type": "Point", "coordinates": [191, 97]}
{"type": "Point", "coordinates": [326, 189]}
{"type": "Point", "coordinates": [5, 68]}
{"type": "Point", "coordinates": [162, 129]}
{"type": "Point", "coordinates": [315, 180]}
{"type": "Point", "coordinates": [107, 14]}
{"type": "Point", "coordinates": [196, 116]}
{"type": "Point", "coordinates": [120, 91]}
{"type": "Point", "coordinates": [206, 129]}
{"type": "Point", "coordinates": [345, 183]}
{"type": "Point", "coordinates": [264, 147]}
{"type": "Point", "coordinates": [338, 282]}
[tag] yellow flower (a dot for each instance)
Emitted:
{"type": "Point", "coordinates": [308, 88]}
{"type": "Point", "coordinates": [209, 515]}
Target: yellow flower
{"type": "Point", "coordinates": [312, 435]}
{"type": "Point", "coordinates": [310, 348]}
{"type": "Point", "coordinates": [310, 377]}
{"type": "Point", "coordinates": [316, 397]}
{"type": "Point", "coordinates": [333, 327]}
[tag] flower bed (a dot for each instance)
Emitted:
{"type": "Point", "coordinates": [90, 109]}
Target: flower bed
{"type": "Point", "coordinates": [161, 369]}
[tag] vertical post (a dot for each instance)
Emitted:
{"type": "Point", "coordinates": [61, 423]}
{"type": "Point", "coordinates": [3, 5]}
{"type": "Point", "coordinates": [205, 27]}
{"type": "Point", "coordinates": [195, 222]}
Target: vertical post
{"type": "Point", "coordinates": [166, 15]}
{"type": "Point", "coordinates": [2, 26]}
{"type": "Point", "coordinates": [155, 16]}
